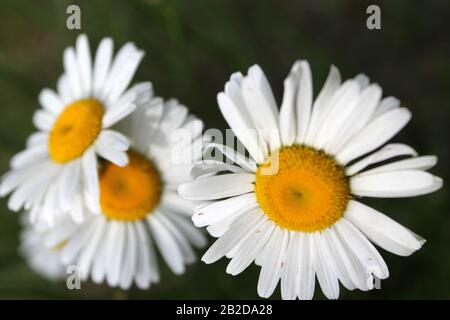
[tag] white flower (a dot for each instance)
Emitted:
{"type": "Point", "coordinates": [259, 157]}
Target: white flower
{"type": "Point", "coordinates": [43, 260]}
{"type": "Point", "coordinates": [303, 219]}
{"type": "Point", "coordinates": [140, 208]}
{"type": "Point", "coordinates": [57, 172]}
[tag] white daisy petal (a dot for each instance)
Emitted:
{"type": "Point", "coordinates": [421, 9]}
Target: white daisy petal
{"type": "Point", "coordinates": [167, 245]}
{"type": "Point", "coordinates": [50, 101]}
{"type": "Point", "coordinates": [389, 151]}
{"type": "Point", "coordinates": [361, 248]}
{"type": "Point", "coordinates": [304, 99]}
{"type": "Point", "coordinates": [173, 202]}
{"type": "Point", "coordinates": [233, 109]}
{"type": "Point", "coordinates": [321, 103]}
{"type": "Point", "coordinates": [340, 107]}
{"type": "Point", "coordinates": [220, 210]}
{"type": "Point", "coordinates": [114, 139]}
{"type": "Point", "coordinates": [271, 268]}
{"type": "Point", "coordinates": [29, 156]}
{"type": "Point", "coordinates": [114, 115]}
{"type": "Point", "coordinates": [251, 247]}
{"type": "Point", "coordinates": [43, 120]}
{"type": "Point", "coordinates": [291, 267]}
{"type": "Point", "coordinates": [359, 116]}
{"type": "Point", "coordinates": [288, 127]}
{"type": "Point", "coordinates": [416, 163]}
{"type": "Point", "coordinates": [116, 156]}
{"type": "Point", "coordinates": [375, 134]}
{"type": "Point", "coordinates": [207, 167]}
{"type": "Point", "coordinates": [129, 259]}
{"type": "Point", "coordinates": [239, 228]}
{"type": "Point", "coordinates": [395, 184]}
{"type": "Point", "coordinates": [324, 267]}
{"type": "Point", "coordinates": [84, 59]}
{"type": "Point", "coordinates": [72, 72]}
{"type": "Point", "coordinates": [382, 230]}
{"type": "Point", "coordinates": [64, 90]}
{"type": "Point", "coordinates": [217, 187]}
{"type": "Point", "coordinates": [145, 266]}
{"type": "Point", "coordinates": [386, 105]}
{"type": "Point", "coordinates": [234, 156]}
{"type": "Point", "coordinates": [102, 63]}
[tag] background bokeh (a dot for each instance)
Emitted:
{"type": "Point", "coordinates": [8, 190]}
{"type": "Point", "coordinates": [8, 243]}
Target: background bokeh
{"type": "Point", "coordinates": [191, 49]}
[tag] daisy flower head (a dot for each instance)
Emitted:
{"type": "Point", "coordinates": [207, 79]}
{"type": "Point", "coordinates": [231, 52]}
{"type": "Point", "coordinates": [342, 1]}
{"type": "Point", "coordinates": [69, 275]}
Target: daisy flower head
{"type": "Point", "coordinates": [293, 208]}
{"type": "Point", "coordinates": [140, 207]}
{"type": "Point", "coordinates": [57, 172]}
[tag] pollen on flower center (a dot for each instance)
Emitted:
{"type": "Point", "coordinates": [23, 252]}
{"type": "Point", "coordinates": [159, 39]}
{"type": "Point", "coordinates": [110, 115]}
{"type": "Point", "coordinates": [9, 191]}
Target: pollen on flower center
{"type": "Point", "coordinates": [130, 192]}
{"type": "Point", "coordinates": [75, 130]}
{"type": "Point", "coordinates": [308, 193]}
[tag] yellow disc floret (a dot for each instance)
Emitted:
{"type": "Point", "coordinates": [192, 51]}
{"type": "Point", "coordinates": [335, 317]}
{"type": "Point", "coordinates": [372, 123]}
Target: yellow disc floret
{"type": "Point", "coordinates": [130, 192]}
{"type": "Point", "coordinates": [75, 130]}
{"type": "Point", "coordinates": [306, 191]}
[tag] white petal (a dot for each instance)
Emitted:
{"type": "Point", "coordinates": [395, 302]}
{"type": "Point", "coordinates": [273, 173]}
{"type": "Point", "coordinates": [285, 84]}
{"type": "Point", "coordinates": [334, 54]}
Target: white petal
{"type": "Point", "coordinates": [167, 245]}
{"type": "Point", "coordinates": [29, 156]}
{"type": "Point", "coordinates": [382, 230]}
{"type": "Point", "coordinates": [193, 234]}
{"type": "Point", "coordinates": [304, 99]}
{"type": "Point", "coordinates": [129, 259]}
{"type": "Point", "coordinates": [261, 105]}
{"type": "Point", "coordinates": [239, 229]}
{"type": "Point", "coordinates": [84, 59]}
{"type": "Point", "coordinates": [123, 78]}
{"type": "Point", "coordinates": [395, 184]}
{"type": "Point", "coordinates": [217, 187]}
{"type": "Point", "coordinates": [416, 163]}
{"type": "Point", "coordinates": [117, 113]}
{"type": "Point", "coordinates": [242, 124]}
{"type": "Point", "coordinates": [207, 167]}
{"type": "Point", "coordinates": [90, 178]}
{"type": "Point", "coordinates": [43, 120]}
{"type": "Point", "coordinates": [64, 90]}
{"type": "Point", "coordinates": [70, 180]}
{"type": "Point", "coordinates": [173, 202]}
{"type": "Point", "coordinates": [220, 210]}
{"type": "Point", "coordinates": [250, 247]}
{"type": "Point", "coordinates": [87, 255]}
{"type": "Point", "coordinates": [50, 101]}
{"type": "Point", "coordinates": [102, 62]}
{"type": "Point", "coordinates": [291, 268]}
{"type": "Point", "coordinates": [271, 269]}
{"type": "Point", "coordinates": [320, 106]}
{"type": "Point", "coordinates": [389, 151]}
{"type": "Point", "coordinates": [337, 112]}
{"type": "Point", "coordinates": [386, 105]}
{"type": "Point", "coordinates": [364, 251]}
{"type": "Point", "coordinates": [307, 278]}
{"type": "Point", "coordinates": [72, 72]}
{"type": "Point", "coordinates": [115, 255]}
{"type": "Point", "coordinates": [246, 163]}
{"type": "Point", "coordinates": [118, 157]}
{"type": "Point", "coordinates": [114, 139]}
{"type": "Point", "coordinates": [375, 134]}
{"type": "Point", "coordinates": [145, 265]}
{"type": "Point", "coordinates": [359, 116]}
{"type": "Point", "coordinates": [324, 267]}
{"type": "Point", "coordinates": [288, 127]}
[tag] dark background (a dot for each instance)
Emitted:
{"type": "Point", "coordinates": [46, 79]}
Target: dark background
{"type": "Point", "coordinates": [191, 49]}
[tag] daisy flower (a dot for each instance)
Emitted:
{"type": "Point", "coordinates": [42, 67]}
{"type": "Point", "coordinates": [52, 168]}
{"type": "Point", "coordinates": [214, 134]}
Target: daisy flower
{"type": "Point", "coordinates": [139, 204]}
{"type": "Point", "coordinates": [41, 259]}
{"type": "Point", "coordinates": [293, 208]}
{"type": "Point", "coordinates": [57, 172]}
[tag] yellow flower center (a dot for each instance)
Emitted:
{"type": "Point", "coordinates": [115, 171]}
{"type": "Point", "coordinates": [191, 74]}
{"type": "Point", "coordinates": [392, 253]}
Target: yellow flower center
{"type": "Point", "coordinates": [309, 191]}
{"type": "Point", "coordinates": [75, 130]}
{"type": "Point", "coordinates": [130, 192]}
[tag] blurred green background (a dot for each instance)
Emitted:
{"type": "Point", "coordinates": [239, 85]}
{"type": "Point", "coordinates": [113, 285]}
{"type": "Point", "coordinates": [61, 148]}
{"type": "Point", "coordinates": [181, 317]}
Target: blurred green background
{"type": "Point", "coordinates": [191, 49]}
